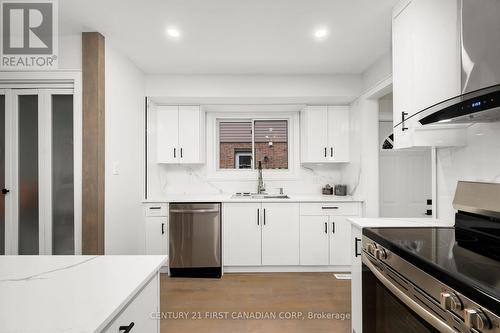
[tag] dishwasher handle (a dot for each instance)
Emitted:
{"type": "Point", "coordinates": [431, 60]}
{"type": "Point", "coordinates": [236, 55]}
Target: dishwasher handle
{"type": "Point", "coordinates": [193, 211]}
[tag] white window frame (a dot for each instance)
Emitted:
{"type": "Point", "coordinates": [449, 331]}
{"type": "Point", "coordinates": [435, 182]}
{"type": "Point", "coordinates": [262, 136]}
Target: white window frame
{"type": "Point", "coordinates": [217, 174]}
{"type": "Point", "coordinates": [237, 156]}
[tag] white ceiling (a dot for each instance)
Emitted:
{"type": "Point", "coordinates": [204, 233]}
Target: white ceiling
{"type": "Point", "coordinates": [238, 36]}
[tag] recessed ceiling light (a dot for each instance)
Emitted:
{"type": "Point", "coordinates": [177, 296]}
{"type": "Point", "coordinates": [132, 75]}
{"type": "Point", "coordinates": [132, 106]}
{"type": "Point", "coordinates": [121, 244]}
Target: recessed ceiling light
{"type": "Point", "coordinates": [173, 33]}
{"type": "Point", "coordinates": [320, 33]}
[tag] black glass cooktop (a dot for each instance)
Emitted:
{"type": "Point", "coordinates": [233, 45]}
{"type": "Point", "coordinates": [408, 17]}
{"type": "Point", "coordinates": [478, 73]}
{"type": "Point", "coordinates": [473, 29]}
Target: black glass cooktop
{"type": "Point", "coordinates": [464, 260]}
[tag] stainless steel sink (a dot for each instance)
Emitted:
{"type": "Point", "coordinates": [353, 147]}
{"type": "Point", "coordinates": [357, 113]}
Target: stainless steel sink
{"type": "Point", "coordinates": [260, 196]}
{"type": "Point", "coordinates": [270, 196]}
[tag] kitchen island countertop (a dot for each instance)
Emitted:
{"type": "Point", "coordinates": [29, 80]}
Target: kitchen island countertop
{"type": "Point", "coordinates": [51, 294]}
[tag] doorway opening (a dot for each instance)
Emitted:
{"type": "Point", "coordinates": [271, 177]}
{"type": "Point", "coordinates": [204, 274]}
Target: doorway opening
{"type": "Point", "coordinates": [405, 176]}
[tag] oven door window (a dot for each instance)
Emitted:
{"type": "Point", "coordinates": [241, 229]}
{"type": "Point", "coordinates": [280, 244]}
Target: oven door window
{"type": "Point", "coordinates": [385, 313]}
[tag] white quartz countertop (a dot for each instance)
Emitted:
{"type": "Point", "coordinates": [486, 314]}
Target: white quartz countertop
{"type": "Point", "coordinates": [400, 222]}
{"type": "Point", "coordinates": [229, 198]}
{"type": "Point", "coordinates": [71, 294]}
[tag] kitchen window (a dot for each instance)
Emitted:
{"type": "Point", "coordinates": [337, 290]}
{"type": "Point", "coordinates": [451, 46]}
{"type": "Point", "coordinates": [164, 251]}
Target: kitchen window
{"type": "Point", "coordinates": [242, 144]}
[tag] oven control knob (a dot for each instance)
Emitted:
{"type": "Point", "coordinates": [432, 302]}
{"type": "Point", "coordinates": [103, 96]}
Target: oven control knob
{"type": "Point", "coordinates": [371, 248]}
{"type": "Point", "coordinates": [475, 318]}
{"type": "Point", "coordinates": [450, 301]}
{"type": "Point", "coordinates": [380, 254]}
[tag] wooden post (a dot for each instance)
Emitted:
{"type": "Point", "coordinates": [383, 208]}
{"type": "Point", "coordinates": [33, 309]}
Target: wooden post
{"type": "Point", "coordinates": [93, 144]}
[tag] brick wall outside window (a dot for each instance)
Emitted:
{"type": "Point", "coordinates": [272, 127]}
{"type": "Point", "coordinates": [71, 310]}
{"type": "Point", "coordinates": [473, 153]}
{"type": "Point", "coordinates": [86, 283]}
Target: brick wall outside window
{"type": "Point", "coordinates": [277, 154]}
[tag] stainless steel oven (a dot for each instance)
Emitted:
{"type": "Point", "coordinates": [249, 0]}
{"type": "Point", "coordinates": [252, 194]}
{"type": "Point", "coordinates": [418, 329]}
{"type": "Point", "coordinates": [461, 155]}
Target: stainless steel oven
{"type": "Point", "coordinates": [399, 297]}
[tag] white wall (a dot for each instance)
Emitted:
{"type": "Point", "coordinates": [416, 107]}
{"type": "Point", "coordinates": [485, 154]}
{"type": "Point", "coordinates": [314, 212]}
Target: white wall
{"type": "Point", "coordinates": [380, 70]}
{"type": "Point", "coordinates": [124, 225]}
{"type": "Point", "coordinates": [172, 179]}
{"type": "Point", "coordinates": [70, 52]}
{"type": "Point", "coordinates": [285, 88]}
{"type": "Point", "coordinates": [316, 88]}
{"type": "Point", "coordinates": [478, 161]}
{"type": "Point", "coordinates": [362, 172]}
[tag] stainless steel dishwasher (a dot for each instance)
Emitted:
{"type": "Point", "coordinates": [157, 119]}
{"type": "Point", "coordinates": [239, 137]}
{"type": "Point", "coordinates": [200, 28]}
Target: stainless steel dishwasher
{"type": "Point", "coordinates": [195, 240]}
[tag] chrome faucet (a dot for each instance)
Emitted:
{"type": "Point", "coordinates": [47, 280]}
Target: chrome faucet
{"type": "Point", "coordinates": [261, 188]}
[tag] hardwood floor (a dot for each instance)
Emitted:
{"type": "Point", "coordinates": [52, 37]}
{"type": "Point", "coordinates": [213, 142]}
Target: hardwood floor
{"type": "Point", "coordinates": [267, 295]}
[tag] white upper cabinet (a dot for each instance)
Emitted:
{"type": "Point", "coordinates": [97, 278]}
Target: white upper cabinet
{"type": "Point", "coordinates": [426, 69]}
{"type": "Point", "coordinates": [180, 134]}
{"type": "Point", "coordinates": [167, 131]}
{"type": "Point", "coordinates": [314, 136]}
{"type": "Point", "coordinates": [338, 134]}
{"type": "Point", "coordinates": [325, 134]}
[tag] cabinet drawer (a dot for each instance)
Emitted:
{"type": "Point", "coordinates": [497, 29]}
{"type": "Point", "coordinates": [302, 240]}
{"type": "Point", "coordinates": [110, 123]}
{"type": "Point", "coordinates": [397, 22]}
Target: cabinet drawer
{"type": "Point", "coordinates": [156, 210]}
{"type": "Point", "coordinates": [329, 208]}
{"type": "Point", "coordinates": [139, 311]}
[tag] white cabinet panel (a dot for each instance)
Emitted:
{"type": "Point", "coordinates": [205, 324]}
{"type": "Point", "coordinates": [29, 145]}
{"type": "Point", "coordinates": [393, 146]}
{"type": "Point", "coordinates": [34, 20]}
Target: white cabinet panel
{"type": "Point", "coordinates": [314, 126]}
{"type": "Point", "coordinates": [403, 68]}
{"type": "Point", "coordinates": [356, 293]}
{"type": "Point", "coordinates": [157, 235]}
{"type": "Point", "coordinates": [338, 134]}
{"type": "Point", "coordinates": [156, 209]}
{"type": "Point", "coordinates": [280, 234]}
{"type": "Point", "coordinates": [190, 134]}
{"type": "Point", "coordinates": [138, 311]}
{"type": "Point", "coordinates": [325, 134]}
{"type": "Point", "coordinates": [330, 208]}
{"type": "Point", "coordinates": [426, 69]}
{"type": "Point", "coordinates": [340, 241]}
{"type": "Point", "coordinates": [167, 131]}
{"type": "Point", "coordinates": [242, 234]}
{"type": "Point", "coordinates": [314, 240]}
{"type": "Point", "coordinates": [180, 134]}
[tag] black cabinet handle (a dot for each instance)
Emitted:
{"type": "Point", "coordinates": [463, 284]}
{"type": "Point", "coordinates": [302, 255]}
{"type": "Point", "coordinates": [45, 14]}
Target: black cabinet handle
{"type": "Point", "coordinates": [181, 153]}
{"type": "Point", "coordinates": [356, 247]}
{"type": "Point", "coordinates": [5, 191]}
{"type": "Point", "coordinates": [154, 207]}
{"type": "Point", "coordinates": [403, 115]}
{"type": "Point", "coordinates": [331, 151]}
{"type": "Point", "coordinates": [333, 227]}
{"type": "Point", "coordinates": [163, 228]}
{"type": "Point", "coordinates": [258, 216]}
{"type": "Point", "coordinates": [126, 329]}
{"type": "Point", "coordinates": [264, 216]}
{"type": "Point", "coordinates": [325, 151]}
{"type": "Point", "coordinates": [175, 152]}
{"type": "Point", "coordinates": [326, 228]}
{"type": "Point", "coordinates": [329, 207]}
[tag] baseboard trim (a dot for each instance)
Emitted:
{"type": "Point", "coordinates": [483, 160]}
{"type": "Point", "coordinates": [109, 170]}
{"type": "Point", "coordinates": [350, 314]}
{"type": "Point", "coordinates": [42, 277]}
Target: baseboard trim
{"type": "Point", "coordinates": [286, 269]}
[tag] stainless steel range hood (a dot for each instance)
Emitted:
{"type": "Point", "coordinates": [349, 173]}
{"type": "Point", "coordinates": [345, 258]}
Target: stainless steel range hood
{"type": "Point", "coordinates": [480, 66]}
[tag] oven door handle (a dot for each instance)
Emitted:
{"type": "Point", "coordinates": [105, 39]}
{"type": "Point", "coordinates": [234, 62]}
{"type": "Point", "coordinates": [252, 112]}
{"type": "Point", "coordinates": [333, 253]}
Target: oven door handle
{"type": "Point", "coordinates": [426, 315]}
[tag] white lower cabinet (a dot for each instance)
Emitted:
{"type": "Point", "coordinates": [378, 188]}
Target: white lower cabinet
{"type": "Point", "coordinates": [258, 234]}
{"type": "Point", "coordinates": [156, 225]}
{"type": "Point", "coordinates": [325, 240]}
{"type": "Point", "coordinates": [288, 234]}
{"type": "Point", "coordinates": [325, 233]}
{"type": "Point", "coordinates": [340, 241]}
{"type": "Point", "coordinates": [356, 282]}
{"type": "Point", "coordinates": [314, 240]}
{"type": "Point", "coordinates": [242, 234]}
{"type": "Point", "coordinates": [137, 315]}
{"type": "Point", "coordinates": [280, 234]}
